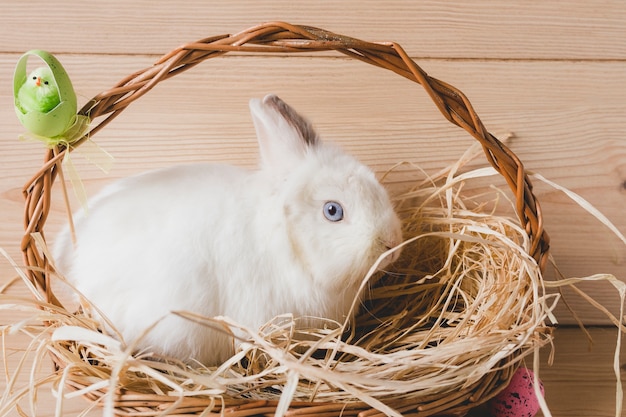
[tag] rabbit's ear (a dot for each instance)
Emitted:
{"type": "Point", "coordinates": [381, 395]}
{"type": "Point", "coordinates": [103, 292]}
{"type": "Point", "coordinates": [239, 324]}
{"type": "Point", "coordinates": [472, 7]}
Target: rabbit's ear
{"type": "Point", "coordinates": [284, 136]}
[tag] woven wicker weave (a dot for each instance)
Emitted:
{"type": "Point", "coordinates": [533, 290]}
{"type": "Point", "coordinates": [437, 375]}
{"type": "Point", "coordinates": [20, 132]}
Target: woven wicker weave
{"type": "Point", "coordinates": [272, 38]}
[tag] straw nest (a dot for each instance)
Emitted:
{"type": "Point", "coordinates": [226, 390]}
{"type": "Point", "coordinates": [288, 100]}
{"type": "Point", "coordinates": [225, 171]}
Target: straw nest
{"type": "Point", "coordinates": [442, 332]}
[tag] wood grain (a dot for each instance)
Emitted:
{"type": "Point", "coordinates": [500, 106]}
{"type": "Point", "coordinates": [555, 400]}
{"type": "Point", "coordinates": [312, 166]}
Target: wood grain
{"type": "Point", "coordinates": [550, 73]}
{"type": "Point", "coordinates": [569, 29]}
{"type": "Point", "coordinates": [566, 126]}
{"type": "Point", "coordinates": [581, 381]}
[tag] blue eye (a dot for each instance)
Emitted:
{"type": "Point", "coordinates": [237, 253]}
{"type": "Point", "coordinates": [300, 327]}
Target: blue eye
{"type": "Point", "coordinates": [333, 211]}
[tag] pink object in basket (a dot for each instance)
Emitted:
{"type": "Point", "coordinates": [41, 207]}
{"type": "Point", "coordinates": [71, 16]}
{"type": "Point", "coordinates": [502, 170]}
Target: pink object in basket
{"type": "Point", "coordinates": [518, 399]}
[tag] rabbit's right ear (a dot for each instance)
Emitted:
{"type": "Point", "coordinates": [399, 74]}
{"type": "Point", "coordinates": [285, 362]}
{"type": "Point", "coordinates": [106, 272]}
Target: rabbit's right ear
{"type": "Point", "coordinates": [284, 136]}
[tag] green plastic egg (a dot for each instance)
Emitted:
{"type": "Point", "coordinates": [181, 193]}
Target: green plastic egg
{"type": "Point", "coordinates": [59, 119]}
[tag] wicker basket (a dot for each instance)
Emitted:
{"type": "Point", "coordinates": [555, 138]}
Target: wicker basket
{"type": "Point", "coordinates": [272, 38]}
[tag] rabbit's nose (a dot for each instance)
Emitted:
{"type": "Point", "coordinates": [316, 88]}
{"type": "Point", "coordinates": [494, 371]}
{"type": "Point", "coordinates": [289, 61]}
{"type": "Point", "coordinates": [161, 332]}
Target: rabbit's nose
{"type": "Point", "coordinates": [392, 243]}
{"type": "Point", "coordinates": [393, 256]}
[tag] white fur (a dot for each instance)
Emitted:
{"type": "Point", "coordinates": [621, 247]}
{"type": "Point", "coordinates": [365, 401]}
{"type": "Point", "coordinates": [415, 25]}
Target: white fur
{"type": "Point", "coordinates": [220, 240]}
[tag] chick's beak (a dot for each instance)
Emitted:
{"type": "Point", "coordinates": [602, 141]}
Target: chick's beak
{"type": "Point", "coordinates": [38, 82]}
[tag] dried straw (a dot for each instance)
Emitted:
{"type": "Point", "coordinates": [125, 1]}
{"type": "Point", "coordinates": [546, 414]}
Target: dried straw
{"type": "Point", "coordinates": [464, 301]}
{"type": "Point", "coordinates": [463, 306]}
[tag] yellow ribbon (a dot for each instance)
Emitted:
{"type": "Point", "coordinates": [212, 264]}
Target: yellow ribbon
{"type": "Point", "coordinates": [92, 152]}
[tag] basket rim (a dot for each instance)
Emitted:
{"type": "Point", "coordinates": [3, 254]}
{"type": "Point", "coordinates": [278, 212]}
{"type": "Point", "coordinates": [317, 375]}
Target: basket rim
{"type": "Point", "coordinates": [280, 38]}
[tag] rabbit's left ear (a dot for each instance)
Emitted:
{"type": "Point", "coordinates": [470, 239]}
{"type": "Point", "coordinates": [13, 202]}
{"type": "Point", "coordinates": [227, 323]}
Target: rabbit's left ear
{"type": "Point", "coordinates": [284, 136]}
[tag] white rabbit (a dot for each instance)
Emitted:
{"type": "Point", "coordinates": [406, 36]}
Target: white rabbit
{"type": "Point", "coordinates": [296, 236]}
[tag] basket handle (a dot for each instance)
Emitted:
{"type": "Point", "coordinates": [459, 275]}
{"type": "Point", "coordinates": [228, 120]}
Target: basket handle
{"type": "Point", "coordinates": [280, 37]}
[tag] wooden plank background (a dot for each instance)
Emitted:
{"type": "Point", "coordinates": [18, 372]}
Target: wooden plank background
{"type": "Point", "coordinates": [553, 74]}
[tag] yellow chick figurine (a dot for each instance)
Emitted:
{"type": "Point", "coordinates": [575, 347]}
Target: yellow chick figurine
{"type": "Point", "coordinates": [39, 92]}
